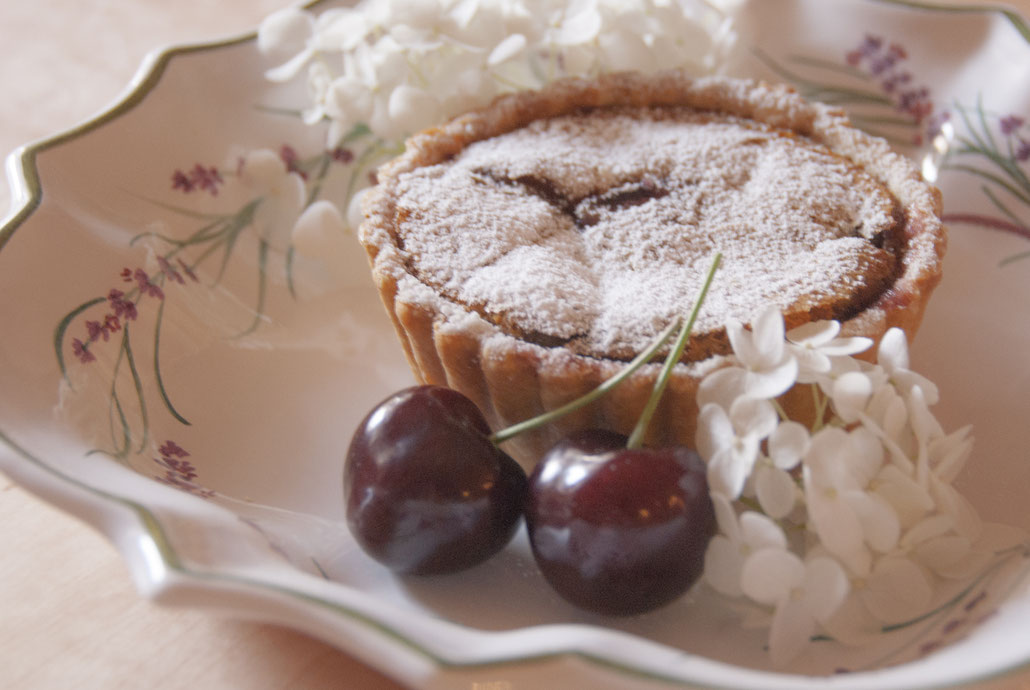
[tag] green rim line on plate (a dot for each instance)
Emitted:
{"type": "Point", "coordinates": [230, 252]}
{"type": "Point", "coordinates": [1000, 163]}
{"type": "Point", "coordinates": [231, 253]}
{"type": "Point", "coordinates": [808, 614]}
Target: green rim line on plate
{"type": "Point", "coordinates": [145, 83]}
{"type": "Point", "coordinates": [1016, 19]}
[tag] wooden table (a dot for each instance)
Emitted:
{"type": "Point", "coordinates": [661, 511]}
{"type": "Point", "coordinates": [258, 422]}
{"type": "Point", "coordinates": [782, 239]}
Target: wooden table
{"type": "Point", "coordinates": [69, 615]}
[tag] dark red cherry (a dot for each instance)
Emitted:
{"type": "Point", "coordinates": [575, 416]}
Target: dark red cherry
{"type": "Point", "coordinates": [619, 531]}
{"type": "Point", "coordinates": [425, 488]}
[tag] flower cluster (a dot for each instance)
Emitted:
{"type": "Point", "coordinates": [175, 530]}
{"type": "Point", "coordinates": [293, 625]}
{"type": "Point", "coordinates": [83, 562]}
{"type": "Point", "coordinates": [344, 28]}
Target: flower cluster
{"type": "Point", "coordinates": [885, 62]}
{"type": "Point", "coordinates": [402, 66]}
{"type": "Point", "coordinates": [123, 305]}
{"type": "Point", "coordinates": [845, 523]}
{"type": "Point", "coordinates": [178, 471]}
{"type": "Point", "coordinates": [205, 178]}
{"type": "Point", "coordinates": [1013, 128]}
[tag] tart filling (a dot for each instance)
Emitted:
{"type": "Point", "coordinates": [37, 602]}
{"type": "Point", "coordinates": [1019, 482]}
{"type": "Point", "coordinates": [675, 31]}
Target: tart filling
{"type": "Point", "coordinates": [593, 230]}
{"type": "Point", "coordinates": [526, 250]}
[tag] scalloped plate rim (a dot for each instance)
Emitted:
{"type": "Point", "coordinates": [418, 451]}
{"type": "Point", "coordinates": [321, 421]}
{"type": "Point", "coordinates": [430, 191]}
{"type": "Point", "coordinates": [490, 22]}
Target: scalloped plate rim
{"type": "Point", "coordinates": [142, 543]}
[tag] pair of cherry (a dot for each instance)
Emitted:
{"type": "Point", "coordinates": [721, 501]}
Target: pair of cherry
{"type": "Point", "coordinates": [614, 530]}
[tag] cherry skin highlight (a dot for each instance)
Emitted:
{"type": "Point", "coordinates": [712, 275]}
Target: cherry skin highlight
{"type": "Point", "coordinates": [619, 531]}
{"type": "Point", "coordinates": [426, 490]}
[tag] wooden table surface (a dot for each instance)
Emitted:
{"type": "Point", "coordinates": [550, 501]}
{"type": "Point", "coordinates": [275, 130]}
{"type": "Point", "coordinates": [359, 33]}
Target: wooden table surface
{"type": "Point", "coordinates": [69, 614]}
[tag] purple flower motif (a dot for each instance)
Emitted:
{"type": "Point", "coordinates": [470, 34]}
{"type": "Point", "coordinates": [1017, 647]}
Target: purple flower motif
{"type": "Point", "coordinates": [181, 181]}
{"type": "Point", "coordinates": [169, 271]}
{"type": "Point", "coordinates": [290, 157]}
{"type": "Point", "coordinates": [171, 449]}
{"type": "Point", "coordinates": [885, 62]}
{"type": "Point", "coordinates": [199, 177]}
{"type": "Point", "coordinates": [870, 46]}
{"type": "Point", "coordinates": [143, 282]}
{"type": "Point", "coordinates": [935, 123]}
{"type": "Point", "coordinates": [1023, 150]}
{"type": "Point", "coordinates": [890, 85]}
{"type": "Point", "coordinates": [80, 350]}
{"type": "Point", "coordinates": [1010, 123]}
{"type": "Point", "coordinates": [96, 330]}
{"type": "Point", "coordinates": [342, 155]}
{"type": "Point", "coordinates": [179, 473]}
{"type": "Point", "coordinates": [916, 102]}
{"type": "Point", "coordinates": [122, 308]}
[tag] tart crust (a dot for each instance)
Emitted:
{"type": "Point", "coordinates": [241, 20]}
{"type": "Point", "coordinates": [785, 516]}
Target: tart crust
{"type": "Point", "coordinates": [513, 372]}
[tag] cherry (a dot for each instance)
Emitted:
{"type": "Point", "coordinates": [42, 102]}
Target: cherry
{"type": "Point", "coordinates": [426, 489]}
{"type": "Point", "coordinates": [619, 531]}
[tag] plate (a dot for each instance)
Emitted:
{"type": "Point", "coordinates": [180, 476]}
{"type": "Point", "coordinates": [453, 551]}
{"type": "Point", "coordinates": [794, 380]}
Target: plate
{"type": "Point", "coordinates": [177, 375]}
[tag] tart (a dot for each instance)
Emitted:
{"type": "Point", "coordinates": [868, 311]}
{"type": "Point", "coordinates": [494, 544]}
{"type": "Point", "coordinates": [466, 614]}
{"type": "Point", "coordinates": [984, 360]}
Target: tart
{"type": "Point", "coordinates": [526, 251]}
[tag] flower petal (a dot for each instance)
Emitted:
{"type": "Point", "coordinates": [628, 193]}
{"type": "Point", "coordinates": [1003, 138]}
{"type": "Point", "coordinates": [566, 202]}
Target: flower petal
{"type": "Point", "coordinates": [318, 223]}
{"type": "Point", "coordinates": [892, 353]}
{"type": "Point", "coordinates": [759, 532]}
{"type": "Point", "coordinates": [772, 382]}
{"type": "Point", "coordinates": [826, 586]}
{"type": "Point", "coordinates": [791, 631]}
{"type": "Point", "coordinates": [723, 564]}
{"type": "Point", "coordinates": [776, 491]}
{"type": "Point", "coordinates": [770, 574]}
{"type": "Point", "coordinates": [850, 394]}
{"type": "Point", "coordinates": [726, 517]}
{"type": "Point", "coordinates": [767, 334]}
{"type": "Point", "coordinates": [897, 591]}
{"type": "Point", "coordinates": [714, 431]}
{"type": "Point", "coordinates": [722, 386]}
{"type": "Point", "coordinates": [880, 525]}
{"type": "Point", "coordinates": [752, 417]}
{"type": "Point", "coordinates": [814, 333]}
{"type": "Point", "coordinates": [787, 444]}
{"type": "Point", "coordinates": [507, 49]}
{"type": "Point", "coordinates": [580, 25]}
{"type": "Point", "coordinates": [729, 468]}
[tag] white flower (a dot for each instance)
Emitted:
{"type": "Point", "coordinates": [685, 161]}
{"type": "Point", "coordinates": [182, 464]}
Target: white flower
{"type": "Point", "coordinates": [317, 226]}
{"type": "Point", "coordinates": [287, 35]}
{"type": "Point", "coordinates": [409, 106]}
{"type": "Point", "coordinates": [764, 367]}
{"type": "Point", "coordinates": [738, 539]}
{"type": "Point", "coordinates": [572, 24]}
{"type": "Point", "coordinates": [892, 355]}
{"type": "Point", "coordinates": [909, 501]}
{"type": "Point", "coordinates": [817, 348]}
{"type": "Point", "coordinates": [509, 48]}
{"type": "Point", "coordinates": [803, 595]}
{"type": "Point", "coordinates": [850, 393]}
{"type": "Point", "coordinates": [887, 413]}
{"type": "Point", "coordinates": [849, 520]}
{"type": "Point", "coordinates": [730, 442]}
{"type": "Point", "coordinates": [896, 590]}
{"type": "Point", "coordinates": [775, 488]}
{"type": "Point", "coordinates": [398, 66]}
{"type": "Point", "coordinates": [279, 193]}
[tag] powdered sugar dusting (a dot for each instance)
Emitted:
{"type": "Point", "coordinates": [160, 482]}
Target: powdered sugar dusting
{"type": "Point", "coordinates": [595, 229]}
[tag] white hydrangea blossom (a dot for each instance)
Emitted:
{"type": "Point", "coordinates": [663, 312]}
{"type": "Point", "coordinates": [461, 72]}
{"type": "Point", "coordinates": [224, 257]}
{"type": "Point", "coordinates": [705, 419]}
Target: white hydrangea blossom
{"type": "Point", "coordinates": [863, 489]}
{"type": "Point", "coordinates": [398, 66]}
{"type": "Point", "coordinates": [280, 192]}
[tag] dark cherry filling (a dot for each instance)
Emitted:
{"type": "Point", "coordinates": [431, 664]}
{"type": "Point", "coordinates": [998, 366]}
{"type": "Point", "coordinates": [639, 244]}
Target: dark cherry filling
{"type": "Point", "coordinates": [584, 211]}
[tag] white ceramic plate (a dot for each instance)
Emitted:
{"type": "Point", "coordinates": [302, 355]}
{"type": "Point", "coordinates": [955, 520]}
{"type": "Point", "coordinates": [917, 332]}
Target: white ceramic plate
{"type": "Point", "coordinates": [206, 436]}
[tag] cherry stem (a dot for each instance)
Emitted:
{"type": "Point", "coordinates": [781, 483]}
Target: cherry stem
{"type": "Point", "coordinates": [586, 399]}
{"type": "Point", "coordinates": [636, 438]}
